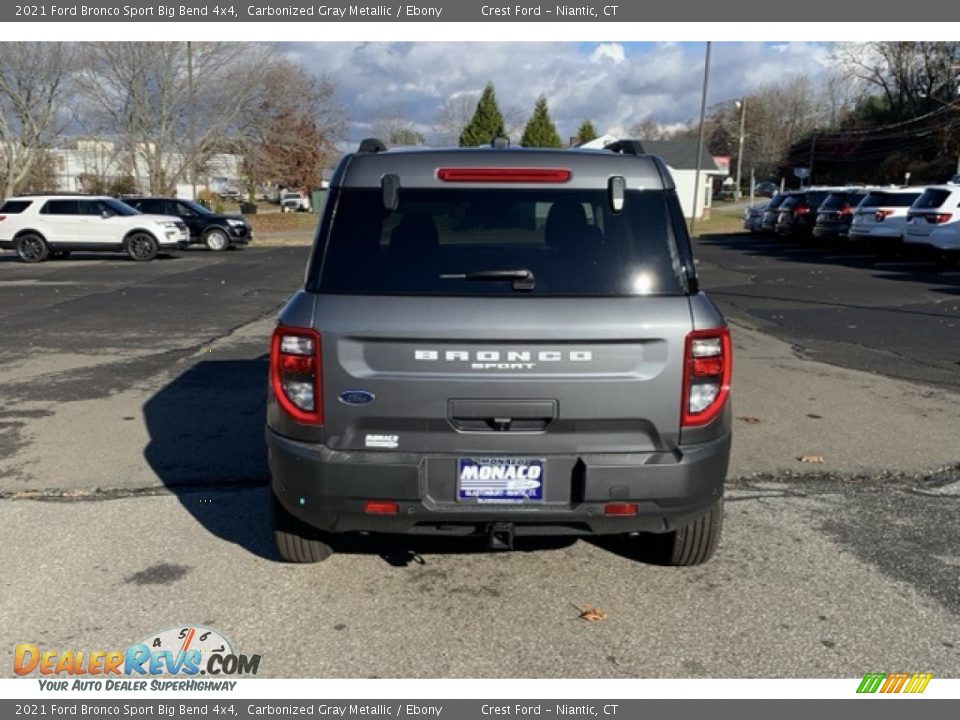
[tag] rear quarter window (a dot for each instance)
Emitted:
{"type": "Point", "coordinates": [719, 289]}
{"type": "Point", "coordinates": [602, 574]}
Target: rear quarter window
{"type": "Point", "coordinates": [15, 207]}
{"type": "Point", "coordinates": [569, 239]}
{"type": "Point", "coordinates": [931, 198]}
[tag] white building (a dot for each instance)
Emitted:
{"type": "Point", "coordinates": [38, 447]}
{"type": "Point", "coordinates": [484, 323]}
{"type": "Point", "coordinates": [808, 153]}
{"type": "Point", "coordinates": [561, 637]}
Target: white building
{"type": "Point", "coordinates": [105, 162]}
{"type": "Point", "coordinates": [681, 157]}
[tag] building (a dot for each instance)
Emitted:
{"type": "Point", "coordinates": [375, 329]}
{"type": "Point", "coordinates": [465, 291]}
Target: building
{"type": "Point", "coordinates": [681, 157]}
{"type": "Point", "coordinates": [87, 164]}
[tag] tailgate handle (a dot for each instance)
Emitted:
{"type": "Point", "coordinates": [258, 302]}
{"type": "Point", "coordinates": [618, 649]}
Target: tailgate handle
{"type": "Point", "coordinates": [501, 415]}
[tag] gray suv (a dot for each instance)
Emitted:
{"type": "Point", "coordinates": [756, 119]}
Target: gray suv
{"type": "Point", "coordinates": [500, 342]}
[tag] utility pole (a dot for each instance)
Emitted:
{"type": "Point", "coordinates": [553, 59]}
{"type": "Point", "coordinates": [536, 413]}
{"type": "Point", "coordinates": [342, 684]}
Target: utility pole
{"type": "Point", "coordinates": [743, 119]}
{"type": "Point", "coordinates": [753, 186]}
{"type": "Point", "coordinates": [192, 128]}
{"type": "Point", "coordinates": [703, 114]}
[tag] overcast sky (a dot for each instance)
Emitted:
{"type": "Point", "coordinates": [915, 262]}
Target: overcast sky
{"type": "Point", "coordinates": [613, 84]}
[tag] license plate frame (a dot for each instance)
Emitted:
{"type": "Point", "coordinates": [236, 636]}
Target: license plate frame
{"type": "Point", "coordinates": [501, 480]}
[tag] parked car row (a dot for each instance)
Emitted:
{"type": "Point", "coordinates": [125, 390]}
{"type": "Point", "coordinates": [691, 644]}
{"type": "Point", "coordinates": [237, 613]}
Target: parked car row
{"type": "Point", "coordinates": [41, 227]}
{"type": "Point", "coordinates": [883, 218]}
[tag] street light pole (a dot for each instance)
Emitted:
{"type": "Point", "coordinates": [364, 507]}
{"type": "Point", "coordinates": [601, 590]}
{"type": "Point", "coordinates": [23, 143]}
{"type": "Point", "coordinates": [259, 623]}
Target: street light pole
{"type": "Point", "coordinates": [703, 114]}
{"type": "Point", "coordinates": [743, 120]}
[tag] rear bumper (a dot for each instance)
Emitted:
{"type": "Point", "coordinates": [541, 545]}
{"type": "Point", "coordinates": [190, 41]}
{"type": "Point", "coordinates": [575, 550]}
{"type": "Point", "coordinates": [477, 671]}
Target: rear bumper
{"type": "Point", "coordinates": [327, 488]}
{"type": "Point", "coordinates": [830, 230]}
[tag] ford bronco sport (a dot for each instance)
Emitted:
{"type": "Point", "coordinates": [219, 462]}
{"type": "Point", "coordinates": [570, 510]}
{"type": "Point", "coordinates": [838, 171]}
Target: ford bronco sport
{"type": "Point", "coordinates": [500, 342]}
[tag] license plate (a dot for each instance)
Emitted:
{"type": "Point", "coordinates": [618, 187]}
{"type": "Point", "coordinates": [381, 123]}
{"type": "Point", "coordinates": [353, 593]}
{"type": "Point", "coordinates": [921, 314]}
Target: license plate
{"type": "Point", "coordinates": [504, 480]}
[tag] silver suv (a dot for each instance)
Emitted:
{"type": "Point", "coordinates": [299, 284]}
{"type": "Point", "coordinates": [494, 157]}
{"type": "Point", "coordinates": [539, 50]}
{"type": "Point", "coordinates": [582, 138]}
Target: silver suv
{"type": "Point", "coordinates": [500, 342]}
{"type": "Point", "coordinates": [39, 227]}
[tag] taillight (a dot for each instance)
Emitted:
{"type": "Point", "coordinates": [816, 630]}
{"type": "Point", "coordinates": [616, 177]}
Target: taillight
{"type": "Point", "coordinates": [3, 217]}
{"type": "Point", "coordinates": [296, 373]}
{"type": "Point", "coordinates": [708, 364]}
{"type": "Point", "coordinates": [881, 215]}
{"type": "Point", "coordinates": [846, 210]}
{"type": "Point", "coordinates": [504, 175]}
{"type": "Point", "coordinates": [801, 210]}
{"type": "Point", "coordinates": [939, 218]}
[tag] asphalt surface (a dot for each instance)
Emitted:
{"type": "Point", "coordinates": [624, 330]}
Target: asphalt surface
{"type": "Point", "coordinates": [838, 304]}
{"type": "Point", "coordinates": [133, 498]}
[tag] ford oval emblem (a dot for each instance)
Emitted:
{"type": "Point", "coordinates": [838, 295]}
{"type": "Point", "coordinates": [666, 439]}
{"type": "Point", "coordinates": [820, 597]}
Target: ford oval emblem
{"type": "Point", "coordinates": [357, 397]}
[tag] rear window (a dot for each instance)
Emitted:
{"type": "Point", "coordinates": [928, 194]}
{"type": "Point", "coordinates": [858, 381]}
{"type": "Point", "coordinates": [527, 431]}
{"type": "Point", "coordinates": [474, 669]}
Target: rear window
{"type": "Point", "coordinates": [776, 201]}
{"type": "Point", "coordinates": [835, 201]}
{"type": "Point", "coordinates": [931, 198]}
{"type": "Point", "coordinates": [440, 242]}
{"type": "Point", "coordinates": [888, 199]}
{"type": "Point", "coordinates": [15, 207]}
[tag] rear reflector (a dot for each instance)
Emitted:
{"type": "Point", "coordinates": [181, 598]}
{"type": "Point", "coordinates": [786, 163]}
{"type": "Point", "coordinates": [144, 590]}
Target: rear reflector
{"type": "Point", "coordinates": [504, 175]}
{"type": "Point", "coordinates": [708, 365]}
{"type": "Point", "coordinates": [296, 376]}
{"type": "Point", "coordinates": [381, 507]}
{"type": "Point", "coordinates": [620, 509]}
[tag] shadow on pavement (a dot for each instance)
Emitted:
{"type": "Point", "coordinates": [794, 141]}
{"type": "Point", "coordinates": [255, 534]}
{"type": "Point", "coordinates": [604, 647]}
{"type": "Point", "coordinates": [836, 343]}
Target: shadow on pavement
{"type": "Point", "coordinates": [913, 266]}
{"type": "Point", "coordinates": [207, 445]}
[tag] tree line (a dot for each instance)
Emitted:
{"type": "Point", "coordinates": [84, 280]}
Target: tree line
{"type": "Point", "coordinates": [164, 110]}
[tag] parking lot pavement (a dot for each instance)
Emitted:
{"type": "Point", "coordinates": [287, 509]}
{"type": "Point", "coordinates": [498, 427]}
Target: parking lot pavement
{"type": "Point", "coordinates": [898, 317]}
{"type": "Point", "coordinates": [819, 580]}
{"type": "Point", "coordinates": [132, 479]}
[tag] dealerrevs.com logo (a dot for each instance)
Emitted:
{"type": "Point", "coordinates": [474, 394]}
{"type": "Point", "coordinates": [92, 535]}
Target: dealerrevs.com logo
{"type": "Point", "coordinates": [184, 652]}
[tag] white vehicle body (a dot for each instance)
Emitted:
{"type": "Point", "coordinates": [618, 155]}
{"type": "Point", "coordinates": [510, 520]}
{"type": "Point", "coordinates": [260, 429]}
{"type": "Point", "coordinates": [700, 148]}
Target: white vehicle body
{"type": "Point", "coordinates": [293, 201]}
{"type": "Point", "coordinates": [934, 219]}
{"type": "Point", "coordinates": [883, 213]}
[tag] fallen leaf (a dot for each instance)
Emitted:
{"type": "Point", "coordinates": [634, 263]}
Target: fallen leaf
{"type": "Point", "coordinates": [592, 614]}
{"type": "Point", "coordinates": [812, 459]}
{"type": "Point", "coordinates": [749, 419]}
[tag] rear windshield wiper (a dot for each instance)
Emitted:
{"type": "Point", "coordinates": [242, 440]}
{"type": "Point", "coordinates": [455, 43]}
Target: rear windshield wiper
{"type": "Point", "coordinates": [522, 278]}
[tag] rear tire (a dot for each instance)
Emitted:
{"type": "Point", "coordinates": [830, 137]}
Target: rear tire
{"type": "Point", "coordinates": [32, 248]}
{"type": "Point", "coordinates": [296, 541]}
{"type": "Point", "coordinates": [142, 247]}
{"type": "Point", "coordinates": [692, 544]}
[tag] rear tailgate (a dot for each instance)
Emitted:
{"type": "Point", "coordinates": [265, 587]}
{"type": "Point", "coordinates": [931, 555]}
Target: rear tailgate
{"type": "Point", "coordinates": [506, 375]}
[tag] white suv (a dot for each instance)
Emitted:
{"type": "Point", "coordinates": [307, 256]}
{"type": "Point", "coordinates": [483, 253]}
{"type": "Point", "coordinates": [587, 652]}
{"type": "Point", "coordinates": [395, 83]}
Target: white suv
{"type": "Point", "coordinates": [38, 227]}
{"type": "Point", "coordinates": [882, 216]}
{"type": "Point", "coordinates": [934, 219]}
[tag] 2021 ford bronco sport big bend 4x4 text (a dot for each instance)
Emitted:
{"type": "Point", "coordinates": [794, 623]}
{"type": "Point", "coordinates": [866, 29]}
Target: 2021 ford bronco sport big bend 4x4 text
{"type": "Point", "coordinates": [500, 342]}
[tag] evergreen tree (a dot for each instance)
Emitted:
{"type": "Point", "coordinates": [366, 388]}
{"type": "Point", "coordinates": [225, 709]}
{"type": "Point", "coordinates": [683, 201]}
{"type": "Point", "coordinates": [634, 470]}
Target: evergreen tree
{"type": "Point", "coordinates": [540, 130]}
{"type": "Point", "coordinates": [486, 123]}
{"type": "Point", "coordinates": [587, 132]}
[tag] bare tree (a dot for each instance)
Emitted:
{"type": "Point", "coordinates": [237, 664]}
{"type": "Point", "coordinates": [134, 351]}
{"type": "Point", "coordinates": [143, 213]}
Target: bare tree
{"type": "Point", "coordinates": [169, 119]}
{"type": "Point", "coordinates": [394, 127]}
{"type": "Point", "coordinates": [453, 116]}
{"type": "Point", "coordinates": [34, 84]}
{"type": "Point", "coordinates": [292, 128]}
{"type": "Point", "coordinates": [911, 77]}
{"type": "Point", "coordinates": [650, 129]}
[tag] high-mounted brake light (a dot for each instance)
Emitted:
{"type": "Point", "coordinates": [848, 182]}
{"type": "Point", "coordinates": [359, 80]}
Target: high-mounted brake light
{"type": "Point", "coordinates": [882, 215]}
{"type": "Point", "coordinates": [296, 373]}
{"type": "Point", "coordinates": [504, 175]}
{"type": "Point", "coordinates": [708, 365]}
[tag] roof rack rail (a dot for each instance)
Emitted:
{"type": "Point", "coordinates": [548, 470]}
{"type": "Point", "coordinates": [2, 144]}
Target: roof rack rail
{"type": "Point", "coordinates": [626, 147]}
{"type": "Point", "coordinates": [371, 145]}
